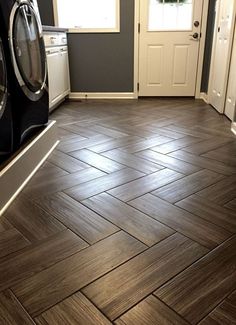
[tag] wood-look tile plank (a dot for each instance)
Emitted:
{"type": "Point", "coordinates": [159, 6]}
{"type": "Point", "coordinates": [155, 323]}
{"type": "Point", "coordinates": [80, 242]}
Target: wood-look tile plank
{"type": "Point", "coordinates": [207, 145]}
{"type": "Point", "coordinates": [146, 144]}
{"type": "Point", "coordinates": [97, 161]}
{"type": "Point", "coordinates": [165, 131]}
{"type": "Point", "coordinates": [4, 224]}
{"type": "Point", "coordinates": [48, 170]}
{"type": "Point", "coordinates": [132, 161]}
{"type": "Point", "coordinates": [36, 258]}
{"type": "Point", "coordinates": [109, 131]}
{"type": "Point", "coordinates": [27, 217]}
{"type": "Point", "coordinates": [81, 130]}
{"type": "Point", "coordinates": [75, 216]}
{"type": "Point", "coordinates": [231, 205]}
{"type": "Point", "coordinates": [225, 313]}
{"type": "Point", "coordinates": [136, 223]}
{"type": "Point", "coordinates": [11, 311]}
{"type": "Point", "coordinates": [125, 286]}
{"type": "Point", "coordinates": [145, 184]}
{"type": "Point", "coordinates": [203, 162]}
{"type": "Point", "coordinates": [221, 192]}
{"type": "Point", "coordinates": [11, 241]}
{"type": "Point", "coordinates": [210, 211]}
{"type": "Point", "coordinates": [192, 226]}
{"type": "Point", "coordinates": [151, 311]}
{"type": "Point", "coordinates": [200, 288]}
{"type": "Point", "coordinates": [114, 144]}
{"type": "Point", "coordinates": [104, 183]}
{"type": "Point", "coordinates": [225, 154]}
{"type": "Point", "coordinates": [187, 131]}
{"type": "Point", "coordinates": [74, 144]}
{"type": "Point", "coordinates": [66, 162]}
{"type": "Point", "coordinates": [67, 277]}
{"type": "Point", "coordinates": [169, 162]}
{"type": "Point", "coordinates": [50, 186]}
{"type": "Point", "coordinates": [176, 144]}
{"type": "Point", "coordinates": [187, 186]}
{"type": "Point", "coordinates": [76, 310]}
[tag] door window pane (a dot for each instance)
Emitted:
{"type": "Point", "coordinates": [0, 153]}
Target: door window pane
{"type": "Point", "coordinates": [170, 15]}
{"type": "Point", "coordinates": [29, 48]}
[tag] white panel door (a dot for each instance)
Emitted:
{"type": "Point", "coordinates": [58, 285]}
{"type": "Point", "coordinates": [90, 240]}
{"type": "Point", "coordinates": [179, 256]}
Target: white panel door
{"type": "Point", "coordinates": [169, 47]}
{"type": "Point", "coordinates": [230, 106]}
{"type": "Point", "coordinates": [221, 53]}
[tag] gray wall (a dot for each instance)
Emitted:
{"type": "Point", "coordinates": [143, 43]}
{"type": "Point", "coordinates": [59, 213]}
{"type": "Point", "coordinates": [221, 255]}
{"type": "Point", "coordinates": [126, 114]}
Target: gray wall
{"type": "Point", "coordinates": [208, 46]}
{"type": "Point", "coordinates": [104, 62]}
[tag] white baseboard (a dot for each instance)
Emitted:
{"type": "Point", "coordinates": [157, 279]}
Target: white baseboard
{"type": "Point", "coordinates": [102, 95]}
{"type": "Point", "coordinates": [233, 127]}
{"type": "Point", "coordinates": [18, 171]}
{"type": "Point", "coordinates": [204, 97]}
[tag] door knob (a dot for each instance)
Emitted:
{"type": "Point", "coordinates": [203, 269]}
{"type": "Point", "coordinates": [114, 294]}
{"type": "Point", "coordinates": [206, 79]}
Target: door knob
{"type": "Point", "coordinates": [195, 36]}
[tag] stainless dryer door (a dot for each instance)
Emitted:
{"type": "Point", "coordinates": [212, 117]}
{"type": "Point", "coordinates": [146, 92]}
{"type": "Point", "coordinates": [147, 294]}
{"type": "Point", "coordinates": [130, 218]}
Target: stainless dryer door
{"type": "Point", "coordinates": [3, 81]}
{"type": "Point", "coordinates": [28, 50]}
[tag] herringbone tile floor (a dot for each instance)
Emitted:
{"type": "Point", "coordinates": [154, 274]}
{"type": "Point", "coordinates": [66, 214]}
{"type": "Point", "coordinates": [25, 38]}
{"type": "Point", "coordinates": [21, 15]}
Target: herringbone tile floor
{"type": "Point", "coordinates": [132, 220]}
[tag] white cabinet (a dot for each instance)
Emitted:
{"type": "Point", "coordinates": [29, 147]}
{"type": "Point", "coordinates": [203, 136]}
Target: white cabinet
{"type": "Point", "coordinates": [58, 68]}
{"type": "Point", "coordinates": [58, 75]}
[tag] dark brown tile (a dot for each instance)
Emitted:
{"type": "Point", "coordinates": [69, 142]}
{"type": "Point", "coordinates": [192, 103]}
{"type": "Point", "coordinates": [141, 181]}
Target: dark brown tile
{"type": "Point", "coordinates": [139, 225]}
{"type": "Point", "coordinates": [74, 144]}
{"type": "Point", "coordinates": [132, 161]}
{"type": "Point", "coordinates": [203, 162]}
{"type": "Point", "coordinates": [66, 162]}
{"type": "Point", "coordinates": [122, 288]}
{"type": "Point", "coordinates": [207, 145]}
{"type": "Point", "coordinates": [76, 310]}
{"type": "Point", "coordinates": [11, 312]}
{"type": "Point", "coordinates": [176, 144]}
{"type": "Point", "coordinates": [222, 192]}
{"type": "Point", "coordinates": [50, 186]}
{"type": "Point", "coordinates": [11, 241]}
{"type": "Point", "coordinates": [27, 217]}
{"type": "Point", "coordinates": [210, 211]}
{"type": "Point", "coordinates": [101, 184]}
{"type": "Point", "coordinates": [198, 290]}
{"type": "Point", "coordinates": [114, 144]}
{"type": "Point", "coordinates": [145, 184]}
{"type": "Point", "coordinates": [75, 216]}
{"type": "Point", "coordinates": [187, 186]}
{"type": "Point", "coordinates": [169, 162]}
{"type": "Point", "coordinates": [151, 311]}
{"type": "Point", "coordinates": [198, 229]}
{"type": "Point", "coordinates": [67, 277]}
{"type": "Point", "coordinates": [98, 161]}
{"type": "Point", "coordinates": [37, 257]}
{"type": "Point", "coordinates": [225, 313]}
{"type": "Point", "coordinates": [146, 144]}
{"type": "Point", "coordinates": [231, 205]}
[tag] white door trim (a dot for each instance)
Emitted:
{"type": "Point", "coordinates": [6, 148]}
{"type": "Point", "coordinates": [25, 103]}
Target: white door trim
{"type": "Point", "coordinates": [213, 54]}
{"type": "Point", "coordinates": [201, 48]}
{"type": "Point", "coordinates": [136, 45]}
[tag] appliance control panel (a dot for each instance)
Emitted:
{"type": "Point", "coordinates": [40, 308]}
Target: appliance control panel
{"type": "Point", "coordinates": [52, 39]}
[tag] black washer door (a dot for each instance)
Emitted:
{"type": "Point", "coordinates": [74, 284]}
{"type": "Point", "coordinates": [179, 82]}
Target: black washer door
{"type": "Point", "coordinates": [3, 81]}
{"type": "Point", "coordinates": [29, 48]}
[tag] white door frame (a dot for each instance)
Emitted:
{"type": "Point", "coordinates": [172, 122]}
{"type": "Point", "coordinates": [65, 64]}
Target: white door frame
{"type": "Point", "coordinates": [201, 47]}
{"type": "Point", "coordinates": [214, 48]}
